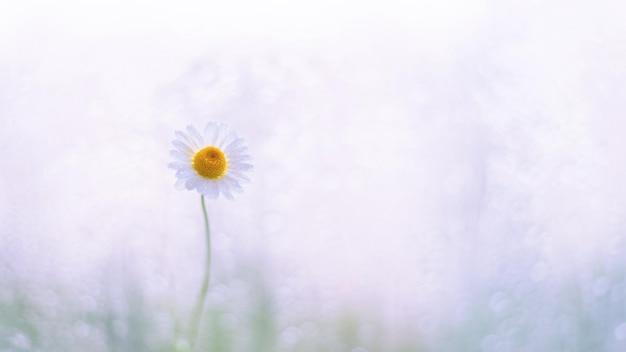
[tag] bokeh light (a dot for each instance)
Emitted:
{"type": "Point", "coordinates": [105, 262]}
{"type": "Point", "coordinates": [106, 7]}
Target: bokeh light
{"type": "Point", "coordinates": [429, 175]}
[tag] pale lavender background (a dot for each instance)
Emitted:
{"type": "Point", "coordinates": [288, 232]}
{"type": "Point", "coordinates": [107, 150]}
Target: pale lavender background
{"type": "Point", "coordinates": [409, 155]}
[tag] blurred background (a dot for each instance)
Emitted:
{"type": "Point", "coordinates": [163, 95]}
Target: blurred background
{"type": "Point", "coordinates": [429, 175]}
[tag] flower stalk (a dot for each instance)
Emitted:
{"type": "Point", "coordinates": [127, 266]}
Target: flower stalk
{"type": "Point", "coordinates": [197, 313]}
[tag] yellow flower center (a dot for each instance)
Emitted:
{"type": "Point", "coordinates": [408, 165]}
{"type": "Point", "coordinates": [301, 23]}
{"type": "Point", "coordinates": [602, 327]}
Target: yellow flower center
{"type": "Point", "coordinates": [210, 162]}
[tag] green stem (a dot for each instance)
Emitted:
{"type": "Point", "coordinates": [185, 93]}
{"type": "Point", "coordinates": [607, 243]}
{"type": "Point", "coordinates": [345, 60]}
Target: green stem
{"type": "Point", "coordinates": [197, 314]}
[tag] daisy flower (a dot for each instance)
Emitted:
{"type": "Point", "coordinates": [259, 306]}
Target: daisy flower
{"type": "Point", "coordinates": [213, 162]}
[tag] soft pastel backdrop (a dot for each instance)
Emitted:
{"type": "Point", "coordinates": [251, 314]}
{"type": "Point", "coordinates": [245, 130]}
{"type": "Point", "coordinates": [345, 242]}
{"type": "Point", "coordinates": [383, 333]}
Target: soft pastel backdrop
{"type": "Point", "coordinates": [430, 175]}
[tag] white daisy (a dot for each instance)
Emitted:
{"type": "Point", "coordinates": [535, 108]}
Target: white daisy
{"type": "Point", "coordinates": [213, 162]}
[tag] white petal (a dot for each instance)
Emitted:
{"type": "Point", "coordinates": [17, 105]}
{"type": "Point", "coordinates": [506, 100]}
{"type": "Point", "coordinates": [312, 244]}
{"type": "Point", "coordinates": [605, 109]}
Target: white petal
{"type": "Point", "coordinates": [210, 133]}
{"type": "Point", "coordinates": [233, 184]}
{"type": "Point", "coordinates": [178, 165]}
{"type": "Point", "coordinates": [239, 176]}
{"type": "Point", "coordinates": [180, 184]}
{"type": "Point", "coordinates": [228, 138]}
{"type": "Point", "coordinates": [227, 194]}
{"type": "Point", "coordinates": [238, 159]}
{"type": "Point", "coordinates": [220, 134]}
{"type": "Point", "coordinates": [180, 156]}
{"type": "Point", "coordinates": [183, 148]}
{"type": "Point", "coordinates": [202, 187]}
{"type": "Point", "coordinates": [237, 148]}
{"type": "Point", "coordinates": [223, 188]}
{"type": "Point", "coordinates": [186, 140]}
{"type": "Point", "coordinates": [209, 189]}
{"type": "Point", "coordinates": [229, 147]}
{"type": "Point", "coordinates": [242, 167]}
{"type": "Point", "coordinates": [186, 172]}
{"type": "Point", "coordinates": [192, 182]}
{"type": "Point", "coordinates": [195, 135]}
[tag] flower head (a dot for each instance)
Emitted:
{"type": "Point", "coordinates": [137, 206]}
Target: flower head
{"type": "Point", "coordinates": [214, 162]}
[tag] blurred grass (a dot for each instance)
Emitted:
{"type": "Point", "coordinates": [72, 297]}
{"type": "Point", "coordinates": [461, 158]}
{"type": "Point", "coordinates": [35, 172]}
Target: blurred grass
{"type": "Point", "coordinates": [567, 315]}
{"type": "Point", "coordinates": [123, 319]}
